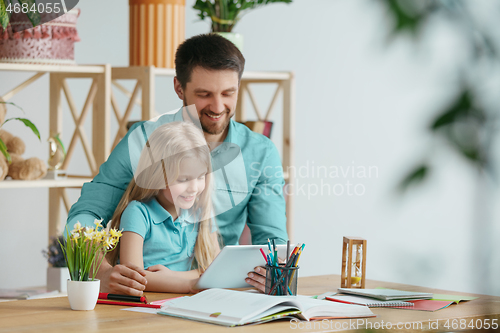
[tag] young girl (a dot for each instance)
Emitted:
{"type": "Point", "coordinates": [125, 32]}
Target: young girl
{"type": "Point", "coordinates": [166, 211]}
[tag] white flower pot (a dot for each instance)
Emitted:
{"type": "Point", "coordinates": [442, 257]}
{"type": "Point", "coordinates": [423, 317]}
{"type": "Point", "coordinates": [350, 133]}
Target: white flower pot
{"type": "Point", "coordinates": [57, 277]}
{"type": "Point", "coordinates": [82, 295]}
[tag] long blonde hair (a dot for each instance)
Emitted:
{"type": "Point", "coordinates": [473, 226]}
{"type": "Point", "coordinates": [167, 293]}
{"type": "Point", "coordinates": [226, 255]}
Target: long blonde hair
{"type": "Point", "coordinates": [165, 149]}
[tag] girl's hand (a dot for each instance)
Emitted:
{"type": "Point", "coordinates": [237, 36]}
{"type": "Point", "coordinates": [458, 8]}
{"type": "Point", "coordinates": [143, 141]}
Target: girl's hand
{"type": "Point", "coordinates": [159, 269]}
{"type": "Point", "coordinates": [125, 279]}
{"type": "Point", "coordinates": [192, 289]}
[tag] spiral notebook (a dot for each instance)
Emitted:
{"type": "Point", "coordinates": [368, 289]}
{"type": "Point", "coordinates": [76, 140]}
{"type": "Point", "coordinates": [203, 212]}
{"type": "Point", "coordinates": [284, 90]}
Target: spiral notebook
{"type": "Point", "coordinates": [386, 294]}
{"type": "Point", "coordinates": [369, 302]}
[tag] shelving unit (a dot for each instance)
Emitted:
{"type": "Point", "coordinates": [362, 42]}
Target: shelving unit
{"type": "Point", "coordinates": [145, 80]}
{"type": "Point", "coordinates": [101, 100]}
{"type": "Point", "coordinates": [97, 100]}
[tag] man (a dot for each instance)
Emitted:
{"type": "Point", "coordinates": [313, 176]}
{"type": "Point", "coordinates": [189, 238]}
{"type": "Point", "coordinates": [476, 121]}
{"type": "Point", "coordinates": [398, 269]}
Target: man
{"type": "Point", "coordinates": [208, 69]}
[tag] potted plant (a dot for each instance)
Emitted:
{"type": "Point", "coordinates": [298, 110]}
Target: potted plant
{"type": "Point", "coordinates": [27, 122]}
{"type": "Point", "coordinates": [84, 252]}
{"type": "Point", "coordinates": [226, 13]}
{"type": "Point", "coordinates": [57, 272]}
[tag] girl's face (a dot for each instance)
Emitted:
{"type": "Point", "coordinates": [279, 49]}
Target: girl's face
{"type": "Point", "coordinates": [190, 184]}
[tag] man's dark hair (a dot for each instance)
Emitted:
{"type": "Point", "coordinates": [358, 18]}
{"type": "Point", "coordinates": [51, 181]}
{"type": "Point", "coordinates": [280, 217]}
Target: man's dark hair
{"type": "Point", "coordinates": [209, 51]}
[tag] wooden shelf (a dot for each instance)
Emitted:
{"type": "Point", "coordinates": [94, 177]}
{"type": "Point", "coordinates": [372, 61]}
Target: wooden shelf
{"type": "Point", "coordinates": [119, 72]}
{"type": "Point", "coordinates": [44, 183]}
{"type": "Point", "coordinates": [97, 103]}
{"type": "Point", "coordinates": [52, 68]}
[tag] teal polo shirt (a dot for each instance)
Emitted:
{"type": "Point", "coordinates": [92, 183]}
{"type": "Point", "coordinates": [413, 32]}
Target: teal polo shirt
{"type": "Point", "coordinates": [166, 242]}
{"type": "Point", "coordinates": [247, 190]}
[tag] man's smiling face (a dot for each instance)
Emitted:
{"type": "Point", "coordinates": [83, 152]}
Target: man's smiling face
{"type": "Point", "coordinates": [215, 93]}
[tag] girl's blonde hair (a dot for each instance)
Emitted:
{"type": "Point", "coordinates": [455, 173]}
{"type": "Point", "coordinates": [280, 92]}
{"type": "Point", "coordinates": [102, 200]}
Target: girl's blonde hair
{"type": "Point", "coordinates": [159, 165]}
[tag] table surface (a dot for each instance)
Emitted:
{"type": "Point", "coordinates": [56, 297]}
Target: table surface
{"type": "Point", "coordinates": [55, 315]}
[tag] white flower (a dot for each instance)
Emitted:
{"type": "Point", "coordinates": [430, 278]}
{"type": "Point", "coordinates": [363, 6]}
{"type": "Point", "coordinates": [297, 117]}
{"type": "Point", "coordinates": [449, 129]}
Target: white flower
{"type": "Point", "coordinates": [76, 228]}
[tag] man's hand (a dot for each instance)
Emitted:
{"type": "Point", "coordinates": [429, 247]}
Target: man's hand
{"type": "Point", "coordinates": [124, 279]}
{"type": "Point", "coordinates": [257, 278]}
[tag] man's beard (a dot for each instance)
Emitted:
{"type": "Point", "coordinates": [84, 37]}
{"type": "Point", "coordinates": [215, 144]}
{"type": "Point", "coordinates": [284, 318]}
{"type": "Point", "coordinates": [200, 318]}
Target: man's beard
{"type": "Point", "coordinates": [217, 127]}
{"type": "Point", "coordinates": [213, 128]}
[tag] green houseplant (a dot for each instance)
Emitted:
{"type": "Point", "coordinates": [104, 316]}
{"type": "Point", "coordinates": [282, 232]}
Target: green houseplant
{"type": "Point", "coordinates": [29, 7]}
{"type": "Point", "coordinates": [28, 123]}
{"type": "Point", "coordinates": [84, 252]}
{"type": "Point", "coordinates": [226, 13]}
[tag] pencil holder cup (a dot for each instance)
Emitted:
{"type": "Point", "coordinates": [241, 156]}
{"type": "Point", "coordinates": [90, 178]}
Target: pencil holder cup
{"type": "Point", "coordinates": [281, 280]}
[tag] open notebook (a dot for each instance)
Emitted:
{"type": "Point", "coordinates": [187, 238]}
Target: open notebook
{"type": "Point", "coordinates": [235, 308]}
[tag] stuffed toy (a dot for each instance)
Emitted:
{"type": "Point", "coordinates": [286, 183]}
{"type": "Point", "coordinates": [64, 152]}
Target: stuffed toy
{"type": "Point", "coordinates": [30, 169]}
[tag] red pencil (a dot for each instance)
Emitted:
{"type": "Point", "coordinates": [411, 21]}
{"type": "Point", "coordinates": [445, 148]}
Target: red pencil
{"type": "Point", "coordinates": [263, 254]}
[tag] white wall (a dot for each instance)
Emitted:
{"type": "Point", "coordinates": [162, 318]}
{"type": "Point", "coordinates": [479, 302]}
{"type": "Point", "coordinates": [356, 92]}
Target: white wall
{"type": "Point", "coordinates": [361, 102]}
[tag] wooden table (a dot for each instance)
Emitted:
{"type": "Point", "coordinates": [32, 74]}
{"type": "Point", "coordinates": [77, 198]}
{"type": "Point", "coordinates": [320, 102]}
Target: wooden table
{"type": "Point", "coordinates": [55, 315]}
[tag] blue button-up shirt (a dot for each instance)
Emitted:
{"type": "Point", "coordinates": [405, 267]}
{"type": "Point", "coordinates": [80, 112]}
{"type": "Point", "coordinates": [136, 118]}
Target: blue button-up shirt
{"type": "Point", "coordinates": [248, 185]}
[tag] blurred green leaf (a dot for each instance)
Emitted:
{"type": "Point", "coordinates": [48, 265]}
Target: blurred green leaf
{"type": "Point", "coordinates": [467, 143]}
{"type": "Point", "coordinates": [33, 15]}
{"type": "Point", "coordinates": [226, 13]}
{"type": "Point", "coordinates": [416, 176]}
{"type": "Point", "coordinates": [28, 123]}
{"type": "Point", "coordinates": [10, 103]}
{"type": "Point", "coordinates": [463, 107]}
{"type": "Point", "coordinates": [409, 16]}
{"type": "Point", "coordinates": [3, 149]}
{"type": "Point", "coordinates": [4, 14]}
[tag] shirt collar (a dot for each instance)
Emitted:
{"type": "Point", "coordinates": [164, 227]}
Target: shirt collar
{"type": "Point", "coordinates": [160, 215]}
{"type": "Point", "coordinates": [228, 142]}
{"type": "Point", "coordinates": [178, 115]}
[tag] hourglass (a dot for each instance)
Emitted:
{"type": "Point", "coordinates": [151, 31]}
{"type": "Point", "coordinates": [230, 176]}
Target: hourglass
{"type": "Point", "coordinates": [353, 262]}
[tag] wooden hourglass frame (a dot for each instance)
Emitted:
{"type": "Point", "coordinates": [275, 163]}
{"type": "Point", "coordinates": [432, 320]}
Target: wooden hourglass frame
{"type": "Point", "coordinates": [353, 262]}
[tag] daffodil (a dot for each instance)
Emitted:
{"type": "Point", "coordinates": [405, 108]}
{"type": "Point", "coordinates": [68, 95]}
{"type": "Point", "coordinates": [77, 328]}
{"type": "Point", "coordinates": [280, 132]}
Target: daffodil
{"type": "Point", "coordinates": [89, 233]}
{"type": "Point", "coordinates": [77, 227]}
{"type": "Point", "coordinates": [86, 248]}
{"type": "Point", "coordinates": [109, 243]}
{"type": "Point", "coordinates": [99, 235]}
{"type": "Point", "coordinates": [115, 233]}
{"type": "Point", "coordinates": [98, 224]}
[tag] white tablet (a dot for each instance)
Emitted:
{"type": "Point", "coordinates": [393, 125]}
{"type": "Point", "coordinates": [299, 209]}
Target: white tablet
{"type": "Point", "coordinates": [231, 267]}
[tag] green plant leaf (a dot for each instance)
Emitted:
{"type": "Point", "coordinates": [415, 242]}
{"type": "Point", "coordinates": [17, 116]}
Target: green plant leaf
{"type": "Point", "coordinates": [409, 16]}
{"type": "Point", "coordinates": [60, 143]}
{"type": "Point", "coordinates": [459, 108]}
{"type": "Point", "coordinates": [226, 13]}
{"type": "Point", "coordinates": [34, 16]}
{"type": "Point", "coordinates": [468, 144]}
{"type": "Point", "coordinates": [3, 149]}
{"type": "Point", "coordinates": [4, 14]}
{"type": "Point", "coordinates": [28, 123]}
{"type": "Point", "coordinates": [10, 103]}
{"type": "Point", "coordinates": [416, 176]}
